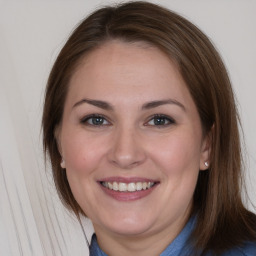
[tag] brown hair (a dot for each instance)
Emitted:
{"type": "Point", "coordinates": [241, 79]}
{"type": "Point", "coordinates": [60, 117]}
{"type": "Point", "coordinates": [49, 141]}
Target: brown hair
{"type": "Point", "coordinates": [223, 222]}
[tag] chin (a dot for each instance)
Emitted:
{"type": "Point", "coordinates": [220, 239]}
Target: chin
{"type": "Point", "coordinates": [128, 226]}
{"type": "Point", "coordinates": [130, 231]}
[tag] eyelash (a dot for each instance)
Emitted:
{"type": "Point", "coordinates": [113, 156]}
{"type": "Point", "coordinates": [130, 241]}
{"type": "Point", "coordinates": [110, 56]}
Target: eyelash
{"type": "Point", "coordinates": [85, 120]}
{"type": "Point", "coordinates": [160, 118]}
{"type": "Point", "coordinates": [88, 120]}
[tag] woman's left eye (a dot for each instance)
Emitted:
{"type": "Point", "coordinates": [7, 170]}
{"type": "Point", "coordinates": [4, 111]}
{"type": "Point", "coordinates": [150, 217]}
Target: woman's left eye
{"type": "Point", "coordinates": [160, 120]}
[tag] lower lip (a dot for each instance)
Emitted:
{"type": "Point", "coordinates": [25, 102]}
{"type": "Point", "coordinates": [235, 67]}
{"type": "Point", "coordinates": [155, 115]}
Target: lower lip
{"type": "Point", "coordinates": [127, 196]}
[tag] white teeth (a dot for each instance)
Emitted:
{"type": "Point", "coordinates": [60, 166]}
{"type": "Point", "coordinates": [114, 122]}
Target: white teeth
{"type": "Point", "coordinates": [110, 185]}
{"type": "Point", "coordinates": [122, 186]}
{"type": "Point", "coordinates": [144, 185]}
{"type": "Point", "coordinates": [130, 187]}
{"type": "Point", "coordinates": [139, 185]}
{"type": "Point", "coordinates": [115, 186]}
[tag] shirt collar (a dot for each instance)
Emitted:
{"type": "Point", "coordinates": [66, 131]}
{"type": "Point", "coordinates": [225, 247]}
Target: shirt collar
{"type": "Point", "coordinates": [179, 246]}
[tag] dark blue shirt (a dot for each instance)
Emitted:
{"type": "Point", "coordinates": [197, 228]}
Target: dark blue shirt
{"type": "Point", "coordinates": [180, 246]}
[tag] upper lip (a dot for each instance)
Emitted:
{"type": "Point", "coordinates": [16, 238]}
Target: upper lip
{"type": "Point", "coordinates": [127, 179]}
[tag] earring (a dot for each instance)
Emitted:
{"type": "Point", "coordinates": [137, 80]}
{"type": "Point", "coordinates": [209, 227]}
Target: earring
{"type": "Point", "coordinates": [206, 164]}
{"type": "Point", "coordinates": [62, 164]}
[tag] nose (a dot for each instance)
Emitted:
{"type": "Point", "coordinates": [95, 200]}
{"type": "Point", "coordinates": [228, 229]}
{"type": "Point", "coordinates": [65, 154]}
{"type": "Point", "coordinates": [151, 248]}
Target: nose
{"type": "Point", "coordinates": [126, 149]}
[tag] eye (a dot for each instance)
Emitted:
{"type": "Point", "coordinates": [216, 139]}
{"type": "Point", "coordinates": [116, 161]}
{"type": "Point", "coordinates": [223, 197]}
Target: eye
{"type": "Point", "coordinates": [160, 120]}
{"type": "Point", "coordinates": [95, 120]}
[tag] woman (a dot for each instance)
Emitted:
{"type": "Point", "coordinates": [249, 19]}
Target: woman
{"type": "Point", "coordinates": [141, 127]}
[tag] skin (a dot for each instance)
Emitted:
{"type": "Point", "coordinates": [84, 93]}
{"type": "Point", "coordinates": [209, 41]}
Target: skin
{"type": "Point", "coordinates": [128, 143]}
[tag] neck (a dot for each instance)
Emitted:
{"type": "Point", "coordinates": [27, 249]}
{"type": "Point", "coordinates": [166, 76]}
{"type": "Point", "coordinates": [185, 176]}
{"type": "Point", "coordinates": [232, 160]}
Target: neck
{"type": "Point", "coordinates": [145, 244]}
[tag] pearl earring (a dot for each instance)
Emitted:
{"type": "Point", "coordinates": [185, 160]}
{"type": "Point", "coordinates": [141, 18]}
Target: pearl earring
{"type": "Point", "coordinates": [62, 164]}
{"type": "Point", "coordinates": [206, 164]}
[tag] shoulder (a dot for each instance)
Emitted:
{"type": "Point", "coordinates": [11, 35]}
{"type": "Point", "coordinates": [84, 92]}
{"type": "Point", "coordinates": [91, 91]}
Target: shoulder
{"type": "Point", "coordinates": [248, 249]}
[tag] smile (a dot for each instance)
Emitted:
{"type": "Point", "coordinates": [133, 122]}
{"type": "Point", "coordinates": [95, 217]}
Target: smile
{"type": "Point", "coordinates": [128, 187]}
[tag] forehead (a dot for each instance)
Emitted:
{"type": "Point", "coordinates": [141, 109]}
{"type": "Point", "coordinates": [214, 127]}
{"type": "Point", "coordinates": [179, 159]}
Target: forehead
{"type": "Point", "coordinates": [119, 69]}
{"type": "Point", "coordinates": [122, 55]}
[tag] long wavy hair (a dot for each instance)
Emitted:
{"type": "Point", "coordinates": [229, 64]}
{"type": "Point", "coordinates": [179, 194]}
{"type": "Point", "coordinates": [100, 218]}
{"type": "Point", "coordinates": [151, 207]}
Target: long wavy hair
{"type": "Point", "coordinates": [223, 222]}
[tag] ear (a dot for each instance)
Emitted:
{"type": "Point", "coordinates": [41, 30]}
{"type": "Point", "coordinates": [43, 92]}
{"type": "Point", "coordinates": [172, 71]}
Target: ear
{"type": "Point", "coordinates": [206, 150]}
{"type": "Point", "coordinates": [57, 133]}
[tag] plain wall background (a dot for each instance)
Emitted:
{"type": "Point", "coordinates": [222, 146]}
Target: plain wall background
{"type": "Point", "coordinates": [31, 35]}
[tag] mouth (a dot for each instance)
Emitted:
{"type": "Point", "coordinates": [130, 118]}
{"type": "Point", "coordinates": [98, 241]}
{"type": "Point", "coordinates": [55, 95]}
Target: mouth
{"type": "Point", "coordinates": [128, 187]}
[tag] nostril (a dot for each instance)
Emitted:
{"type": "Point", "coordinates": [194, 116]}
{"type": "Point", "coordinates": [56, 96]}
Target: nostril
{"type": "Point", "coordinates": [125, 163]}
{"type": "Point", "coordinates": [127, 149]}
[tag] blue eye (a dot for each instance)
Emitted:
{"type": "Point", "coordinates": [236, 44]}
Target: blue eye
{"type": "Point", "coordinates": [94, 120]}
{"type": "Point", "coordinates": [160, 120]}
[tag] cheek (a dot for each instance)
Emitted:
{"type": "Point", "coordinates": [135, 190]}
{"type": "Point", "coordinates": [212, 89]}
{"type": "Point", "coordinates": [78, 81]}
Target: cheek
{"type": "Point", "coordinates": [82, 156]}
{"type": "Point", "coordinates": [81, 153]}
{"type": "Point", "coordinates": [179, 160]}
{"type": "Point", "coordinates": [178, 154]}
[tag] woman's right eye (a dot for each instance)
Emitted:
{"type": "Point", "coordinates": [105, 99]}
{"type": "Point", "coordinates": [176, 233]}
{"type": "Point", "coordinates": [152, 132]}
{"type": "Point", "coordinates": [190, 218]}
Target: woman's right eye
{"type": "Point", "coordinates": [94, 120]}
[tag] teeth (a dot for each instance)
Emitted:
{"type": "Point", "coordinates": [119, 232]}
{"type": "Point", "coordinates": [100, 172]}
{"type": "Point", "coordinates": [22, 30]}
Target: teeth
{"type": "Point", "coordinates": [110, 185]}
{"type": "Point", "coordinates": [122, 186]}
{"type": "Point", "coordinates": [144, 185]}
{"type": "Point", "coordinates": [130, 187]}
{"type": "Point", "coordinates": [115, 186]}
{"type": "Point", "coordinates": [139, 186]}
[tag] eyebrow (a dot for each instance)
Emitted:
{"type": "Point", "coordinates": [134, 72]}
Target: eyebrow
{"type": "Point", "coordinates": [96, 103]}
{"type": "Point", "coordinates": [149, 105]}
{"type": "Point", "coordinates": [157, 103]}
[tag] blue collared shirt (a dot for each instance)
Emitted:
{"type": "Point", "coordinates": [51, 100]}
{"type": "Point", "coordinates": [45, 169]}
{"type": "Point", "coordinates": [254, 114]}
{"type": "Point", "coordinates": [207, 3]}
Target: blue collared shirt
{"type": "Point", "coordinates": [180, 246]}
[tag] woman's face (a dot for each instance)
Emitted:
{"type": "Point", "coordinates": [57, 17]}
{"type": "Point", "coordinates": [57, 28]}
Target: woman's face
{"type": "Point", "coordinates": [132, 140]}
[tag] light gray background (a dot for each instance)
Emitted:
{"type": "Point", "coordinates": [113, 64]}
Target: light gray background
{"type": "Point", "coordinates": [31, 35]}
